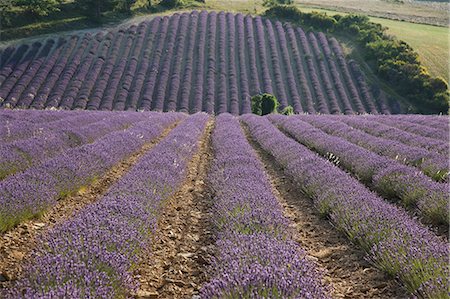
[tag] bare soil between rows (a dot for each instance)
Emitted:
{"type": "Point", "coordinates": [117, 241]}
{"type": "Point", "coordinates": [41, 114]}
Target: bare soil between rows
{"type": "Point", "coordinates": [17, 244]}
{"type": "Point", "coordinates": [174, 266]}
{"type": "Point", "coordinates": [344, 264]}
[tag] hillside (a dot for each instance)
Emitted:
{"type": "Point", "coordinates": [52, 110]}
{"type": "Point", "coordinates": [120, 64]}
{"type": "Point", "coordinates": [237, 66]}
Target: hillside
{"type": "Point", "coordinates": [187, 62]}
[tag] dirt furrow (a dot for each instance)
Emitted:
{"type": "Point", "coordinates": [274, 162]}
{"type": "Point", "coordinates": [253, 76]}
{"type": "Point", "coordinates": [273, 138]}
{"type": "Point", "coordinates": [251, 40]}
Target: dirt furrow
{"type": "Point", "coordinates": [174, 264]}
{"type": "Point", "coordinates": [346, 269]}
{"type": "Point", "coordinates": [16, 244]}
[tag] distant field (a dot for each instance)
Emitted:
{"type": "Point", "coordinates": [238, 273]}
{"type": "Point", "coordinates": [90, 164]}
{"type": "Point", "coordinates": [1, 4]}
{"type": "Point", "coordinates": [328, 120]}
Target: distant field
{"type": "Point", "coordinates": [426, 12]}
{"type": "Point", "coordinates": [431, 42]}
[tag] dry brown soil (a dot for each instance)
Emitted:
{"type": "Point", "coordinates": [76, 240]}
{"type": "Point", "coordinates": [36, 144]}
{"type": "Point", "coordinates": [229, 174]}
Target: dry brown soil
{"type": "Point", "coordinates": [174, 267]}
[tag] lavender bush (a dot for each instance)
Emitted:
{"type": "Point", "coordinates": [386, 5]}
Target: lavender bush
{"type": "Point", "coordinates": [395, 242]}
{"type": "Point", "coordinates": [96, 251]}
{"type": "Point", "coordinates": [432, 164]}
{"type": "Point", "coordinates": [27, 194]}
{"type": "Point", "coordinates": [21, 154]}
{"type": "Point", "coordinates": [386, 175]}
{"type": "Point", "coordinates": [255, 256]}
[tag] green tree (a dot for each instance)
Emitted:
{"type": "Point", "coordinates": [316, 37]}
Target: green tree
{"type": "Point", "coordinates": [94, 8]}
{"type": "Point", "coordinates": [5, 13]}
{"type": "Point", "coordinates": [38, 8]}
{"type": "Point", "coordinates": [264, 104]}
{"type": "Point", "coordinates": [124, 5]}
{"type": "Point", "coordinates": [171, 3]}
{"type": "Point", "coordinates": [287, 110]}
{"type": "Point", "coordinates": [270, 3]}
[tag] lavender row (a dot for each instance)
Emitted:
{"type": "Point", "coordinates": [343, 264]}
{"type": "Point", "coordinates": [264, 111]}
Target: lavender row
{"type": "Point", "coordinates": [334, 73]}
{"type": "Point", "coordinates": [117, 73]}
{"type": "Point", "coordinates": [432, 164]}
{"type": "Point", "coordinates": [222, 74]}
{"type": "Point", "coordinates": [440, 122]}
{"type": "Point", "coordinates": [176, 24]}
{"type": "Point", "coordinates": [186, 81]}
{"type": "Point", "coordinates": [134, 90]}
{"type": "Point", "coordinates": [209, 96]}
{"type": "Point", "coordinates": [413, 128]}
{"type": "Point", "coordinates": [129, 73]}
{"type": "Point", "coordinates": [242, 63]}
{"type": "Point", "coordinates": [174, 85]}
{"type": "Point", "coordinates": [394, 242]}
{"type": "Point", "coordinates": [322, 106]}
{"type": "Point", "coordinates": [391, 133]}
{"type": "Point", "coordinates": [332, 99]}
{"type": "Point", "coordinates": [279, 82]}
{"type": "Point", "coordinates": [39, 95]}
{"type": "Point", "coordinates": [255, 87]}
{"type": "Point", "coordinates": [232, 74]}
{"type": "Point", "coordinates": [29, 193]}
{"type": "Point", "coordinates": [55, 97]}
{"type": "Point", "coordinates": [18, 71]}
{"type": "Point", "coordinates": [150, 81]}
{"type": "Point", "coordinates": [96, 251]}
{"type": "Point", "coordinates": [12, 89]}
{"type": "Point", "coordinates": [21, 154]}
{"type": "Point", "coordinates": [385, 175]}
{"type": "Point", "coordinates": [33, 116]}
{"type": "Point", "coordinates": [263, 59]}
{"type": "Point", "coordinates": [197, 97]}
{"type": "Point", "coordinates": [98, 90]}
{"type": "Point", "coordinates": [362, 85]}
{"type": "Point", "coordinates": [20, 129]}
{"type": "Point", "coordinates": [292, 85]}
{"type": "Point", "coordinates": [89, 74]}
{"type": "Point", "coordinates": [353, 92]}
{"type": "Point", "coordinates": [256, 256]}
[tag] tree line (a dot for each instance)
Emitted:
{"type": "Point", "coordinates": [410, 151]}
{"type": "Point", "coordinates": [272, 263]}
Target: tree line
{"type": "Point", "coordinates": [93, 9]}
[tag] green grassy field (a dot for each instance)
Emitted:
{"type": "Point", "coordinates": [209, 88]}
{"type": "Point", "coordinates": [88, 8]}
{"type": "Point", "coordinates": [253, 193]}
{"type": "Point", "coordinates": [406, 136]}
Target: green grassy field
{"type": "Point", "coordinates": [431, 42]}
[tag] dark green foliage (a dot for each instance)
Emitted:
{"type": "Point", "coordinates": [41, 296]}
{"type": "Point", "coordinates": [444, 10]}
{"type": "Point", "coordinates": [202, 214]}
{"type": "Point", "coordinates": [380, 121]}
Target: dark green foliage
{"type": "Point", "coordinates": [393, 60]}
{"type": "Point", "coordinates": [287, 110]}
{"type": "Point", "coordinates": [5, 13]}
{"type": "Point", "coordinates": [269, 104]}
{"type": "Point", "coordinates": [256, 104]}
{"type": "Point", "coordinates": [171, 3]}
{"type": "Point", "coordinates": [37, 8]}
{"type": "Point", "coordinates": [270, 3]}
{"type": "Point", "coordinates": [264, 104]}
{"type": "Point", "coordinates": [293, 14]}
{"type": "Point", "coordinates": [94, 8]}
{"type": "Point", "coordinates": [123, 5]}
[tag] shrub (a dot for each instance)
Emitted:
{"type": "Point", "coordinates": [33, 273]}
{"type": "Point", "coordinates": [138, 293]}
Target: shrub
{"type": "Point", "coordinates": [264, 104]}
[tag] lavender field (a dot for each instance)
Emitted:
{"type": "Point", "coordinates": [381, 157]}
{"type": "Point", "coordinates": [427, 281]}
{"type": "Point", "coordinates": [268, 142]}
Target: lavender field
{"type": "Point", "coordinates": [188, 62]}
{"type": "Point", "coordinates": [168, 205]}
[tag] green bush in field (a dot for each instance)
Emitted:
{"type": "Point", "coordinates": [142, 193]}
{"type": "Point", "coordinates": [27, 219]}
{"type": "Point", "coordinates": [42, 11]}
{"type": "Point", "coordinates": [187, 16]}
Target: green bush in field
{"type": "Point", "coordinates": [264, 104]}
